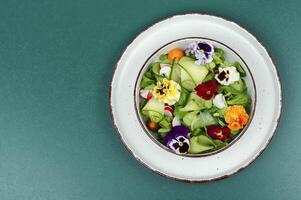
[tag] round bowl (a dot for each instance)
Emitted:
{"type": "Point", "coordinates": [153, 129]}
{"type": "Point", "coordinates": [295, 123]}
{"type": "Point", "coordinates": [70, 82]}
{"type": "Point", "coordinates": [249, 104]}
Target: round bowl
{"type": "Point", "coordinates": [266, 97]}
{"type": "Point", "coordinates": [230, 56]}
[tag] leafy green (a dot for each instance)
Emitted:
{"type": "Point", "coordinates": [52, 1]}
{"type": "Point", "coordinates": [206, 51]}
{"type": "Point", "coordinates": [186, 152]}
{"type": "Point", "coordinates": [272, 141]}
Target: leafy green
{"type": "Point", "coordinates": [220, 121]}
{"type": "Point", "coordinates": [165, 122]}
{"type": "Point", "coordinates": [239, 68]}
{"type": "Point", "coordinates": [149, 74]}
{"type": "Point", "coordinates": [219, 52]}
{"type": "Point", "coordinates": [163, 57]}
{"type": "Point", "coordinates": [150, 87]}
{"type": "Point", "coordinates": [239, 85]}
{"type": "Point", "coordinates": [219, 144]}
{"type": "Point", "coordinates": [146, 82]}
{"type": "Point", "coordinates": [234, 132]}
{"type": "Point", "coordinates": [179, 113]}
{"type": "Point", "coordinates": [209, 77]}
{"type": "Point", "coordinates": [222, 112]}
{"type": "Point", "coordinates": [228, 89]}
{"type": "Point", "coordinates": [159, 78]}
{"type": "Point", "coordinates": [162, 132]}
{"type": "Point", "coordinates": [240, 99]}
{"type": "Point", "coordinates": [198, 131]}
{"type": "Point", "coordinates": [218, 56]}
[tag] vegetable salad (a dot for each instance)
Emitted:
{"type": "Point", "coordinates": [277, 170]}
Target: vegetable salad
{"type": "Point", "coordinates": [194, 100]}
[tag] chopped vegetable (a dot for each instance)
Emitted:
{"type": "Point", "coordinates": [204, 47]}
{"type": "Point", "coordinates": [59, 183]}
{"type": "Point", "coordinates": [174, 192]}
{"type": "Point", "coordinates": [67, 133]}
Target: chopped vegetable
{"type": "Point", "coordinates": [195, 103]}
{"type": "Point", "coordinates": [175, 53]}
{"type": "Point", "coordinates": [152, 125]}
{"type": "Point", "coordinates": [201, 143]}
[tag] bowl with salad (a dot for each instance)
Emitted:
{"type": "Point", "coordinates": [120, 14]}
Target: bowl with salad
{"type": "Point", "coordinates": [195, 96]}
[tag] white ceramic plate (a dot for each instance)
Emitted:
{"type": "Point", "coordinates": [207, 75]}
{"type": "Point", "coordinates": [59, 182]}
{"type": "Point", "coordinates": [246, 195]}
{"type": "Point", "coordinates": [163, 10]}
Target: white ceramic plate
{"type": "Point", "coordinates": [263, 83]}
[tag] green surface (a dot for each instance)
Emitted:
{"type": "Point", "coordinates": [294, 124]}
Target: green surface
{"type": "Point", "coordinates": [57, 139]}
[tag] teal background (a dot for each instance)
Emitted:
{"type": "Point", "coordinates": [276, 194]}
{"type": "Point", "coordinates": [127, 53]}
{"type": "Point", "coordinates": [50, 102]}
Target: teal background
{"type": "Point", "coordinates": [56, 135]}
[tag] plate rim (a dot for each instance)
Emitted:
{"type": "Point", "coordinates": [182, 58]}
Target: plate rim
{"type": "Point", "coordinates": [278, 118]}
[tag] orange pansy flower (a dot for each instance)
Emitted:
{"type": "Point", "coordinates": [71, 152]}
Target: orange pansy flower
{"type": "Point", "coordinates": [236, 117]}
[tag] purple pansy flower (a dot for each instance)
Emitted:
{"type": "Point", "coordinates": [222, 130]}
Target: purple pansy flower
{"type": "Point", "coordinates": [202, 51]}
{"type": "Point", "coordinates": [177, 139]}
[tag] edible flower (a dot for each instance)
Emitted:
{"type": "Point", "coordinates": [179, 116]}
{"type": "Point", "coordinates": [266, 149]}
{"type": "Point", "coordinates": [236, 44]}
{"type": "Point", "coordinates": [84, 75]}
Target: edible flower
{"type": "Point", "coordinates": [236, 117]}
{"type": "Point", "coordinates": [167, 91]}
{"type": "Point", "coordinates": [227, 75]}
{"type": "Point", "coordinates": [207, 90]}
{"type": "Point", "coordinates": [177, 139]}
{"type": "Point", "coordinates": [202, 51]}
{"type": "Point", "coordinates": [219, 101]}
{"type": "Point", "coordinates": [218, 133]}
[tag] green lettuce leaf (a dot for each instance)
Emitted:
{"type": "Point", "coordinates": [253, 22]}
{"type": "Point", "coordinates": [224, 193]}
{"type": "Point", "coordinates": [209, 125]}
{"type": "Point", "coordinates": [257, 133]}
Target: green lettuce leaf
{"type": "Point", "coordinates": [146, 82]}
{"type": "Point", "coordinates": [240, 99]}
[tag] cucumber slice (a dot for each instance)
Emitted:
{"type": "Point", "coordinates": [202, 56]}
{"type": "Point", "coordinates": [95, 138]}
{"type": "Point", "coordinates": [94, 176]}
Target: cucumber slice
{"type": "Point", "coordinates": [175, 73]}
{"type": "Point", "coordinates": [186, 81]}
{"type": "Point", "coordinates": [154, 110]}
{"type": "Point", "coordinates": [189, 118]}
{"type": "Point", "coordinates": [163, 130]}
{"type": "Point", "coordinates": [190, 106]}
{"type": "Point", "coordinates": [202, 103]}
{"type": "Point", "coordinates": [156, 68]}
{"type": "Point", "coordinates": [155, 116]}
{"type": "Point", "coordinates": [200, 144]}
{"type": "Point", "coordinates": [183, 97]}
{"type": "Point", "coordinates": [197, 72]}
{"type": "Point", "coordinates": [204, 119]}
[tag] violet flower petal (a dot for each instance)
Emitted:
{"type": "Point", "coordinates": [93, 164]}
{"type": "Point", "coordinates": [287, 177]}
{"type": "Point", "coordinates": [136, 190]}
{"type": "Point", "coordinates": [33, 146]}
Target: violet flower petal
{"type": "Point", "coordinates": [173, 144]}
{"type": "Point", "coordinates": [181, 130]}
{"type": "Point", "coordinates": [206, 47]}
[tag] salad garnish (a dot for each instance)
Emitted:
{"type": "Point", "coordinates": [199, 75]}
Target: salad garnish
{"type": "Point", "coordinates": [167, 91]}
{"type": "Point", "coordinates": [202, 51]}
{"type": "Point", "coordinates": [177, 139]}
{"type": "Point", "coordinates": [227, 75]}
{"type": "Point", "coordinates": [236, 117]}
{"type": "Point", "coordinates": [207, 90]}
{"type": "Point", "coordinates": [193, 100]}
